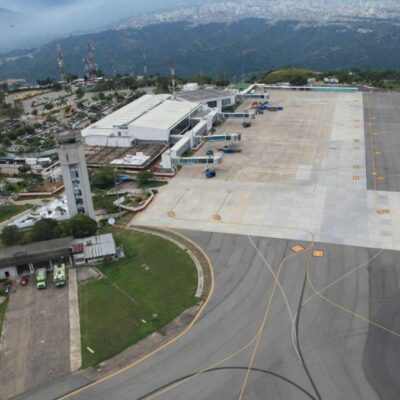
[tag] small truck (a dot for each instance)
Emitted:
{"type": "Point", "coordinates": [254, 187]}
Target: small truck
{"type": "Point", "coordinates": [41, 278]}
{"type": "Point", "coordinates": [59, 275]}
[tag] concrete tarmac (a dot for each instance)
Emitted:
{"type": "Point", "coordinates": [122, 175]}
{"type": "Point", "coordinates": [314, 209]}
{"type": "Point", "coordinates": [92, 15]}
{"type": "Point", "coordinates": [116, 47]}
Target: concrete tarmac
{"type": "Point", "coordinates": [310, 347]}
{"type": "Point", "coordinates": [382, 140]}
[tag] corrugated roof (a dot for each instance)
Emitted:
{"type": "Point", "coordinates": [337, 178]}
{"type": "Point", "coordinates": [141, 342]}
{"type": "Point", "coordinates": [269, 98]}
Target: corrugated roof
{"type": "Point", "coordinates": [97, 246]}
{"type": "Point", "coordinates": [35, 252]}
{"type": "Point", "coordinates": [166, 115]}
{"type": "Point", "coordinates": [125, 115]}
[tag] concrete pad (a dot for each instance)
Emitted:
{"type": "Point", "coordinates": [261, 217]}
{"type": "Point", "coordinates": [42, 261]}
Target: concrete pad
{"type": "Point", "coordinates": [35, 348]}
{"type": "Point", "coordinates": [301, 174]}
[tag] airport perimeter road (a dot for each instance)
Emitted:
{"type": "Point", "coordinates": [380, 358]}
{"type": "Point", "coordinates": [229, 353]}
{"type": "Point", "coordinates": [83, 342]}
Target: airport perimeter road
{"type": "Point", "coordinates": [323, 361]}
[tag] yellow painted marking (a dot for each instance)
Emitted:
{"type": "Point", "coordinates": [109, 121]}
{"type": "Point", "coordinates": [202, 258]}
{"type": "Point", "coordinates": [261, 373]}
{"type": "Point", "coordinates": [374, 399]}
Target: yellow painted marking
{"type": "Point", "coordinates": [171, 214]}
{"type": "Point", "coordinates": [356, 148]}
{"type": "Point", "coordinates": [373, 173]}
{"type": "Point", "coordinates": [380, 178]}
{"type": "Point", "coordinates": [297, 249]}
{"type": "Point", "coordinates": [318, 253]}
{"type": "Point", "coordinates": [217, 217]}
{"type": "Point", "coordinates": [376, 133]}
{"type": "Point", "coordinates": [356, 166]}
{"type": "Point", "coordinates": [356, 177]}
{"type": "Point", "coordinates": [383, 211]}
{"type": "Point", "coordinates": [378, 153]}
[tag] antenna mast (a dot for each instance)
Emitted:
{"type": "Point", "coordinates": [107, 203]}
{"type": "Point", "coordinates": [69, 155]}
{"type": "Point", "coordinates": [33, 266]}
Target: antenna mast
{"type": "Point", "coordinates": [90, 64]}
{"type": "Point", "coordinates": [60, 61]}
{"type": "Point", "coordinates": [173, 78]}
{"type": "Point", "coordinates": [145, 69]}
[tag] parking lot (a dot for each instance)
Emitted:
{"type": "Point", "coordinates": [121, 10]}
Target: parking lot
{"type": "Point", "coordinates": [35, 348]}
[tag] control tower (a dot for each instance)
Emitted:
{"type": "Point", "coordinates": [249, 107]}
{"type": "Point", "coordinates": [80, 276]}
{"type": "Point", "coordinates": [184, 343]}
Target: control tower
{"type": "Point", "coordinates": [75, 175]}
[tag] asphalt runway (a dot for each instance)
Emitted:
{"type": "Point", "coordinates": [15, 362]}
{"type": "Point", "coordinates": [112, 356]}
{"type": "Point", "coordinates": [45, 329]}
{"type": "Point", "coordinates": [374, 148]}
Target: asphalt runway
{"type": "Point", "coordinates": [382, 140]}
{"type": "Point", "coordinates": [304, 339]}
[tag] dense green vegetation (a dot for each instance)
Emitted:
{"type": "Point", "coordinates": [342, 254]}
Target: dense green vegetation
{"type": "Point", "coordinates": [154, 283]}
{"type": "Point", "coordinates": [103, 178]}
{"type": "Point", "coordinates": [46, 229]}
{"type": "Point", "coordinates": [10, 210]}
{"type": "Point", "coordinates": [250, 43]}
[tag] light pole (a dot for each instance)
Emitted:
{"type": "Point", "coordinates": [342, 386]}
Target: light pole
{"type": "Point", "coordinates": [116, 193]}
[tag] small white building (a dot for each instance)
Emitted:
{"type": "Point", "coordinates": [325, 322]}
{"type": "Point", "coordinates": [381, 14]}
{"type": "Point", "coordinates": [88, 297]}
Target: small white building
{"type": "Point", "coordinates": [332, 80]}
{"type": "Point", "coordinates": [94, 249]}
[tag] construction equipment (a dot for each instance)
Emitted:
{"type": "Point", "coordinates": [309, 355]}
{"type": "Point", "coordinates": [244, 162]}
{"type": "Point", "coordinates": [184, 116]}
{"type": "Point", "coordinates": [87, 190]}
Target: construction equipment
{"type": "Point", "coordinates": [210, 173]}
{"type": "Point", "coordinates": [246, 124]}
{"type": "Point", "coordinates": [59, 275]}
{"type": "Point", "coordinates": [41, 278]}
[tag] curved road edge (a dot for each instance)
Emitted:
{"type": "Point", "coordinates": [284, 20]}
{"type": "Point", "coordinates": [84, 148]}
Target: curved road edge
{"type": "Point", "coordinates": [75, 383]}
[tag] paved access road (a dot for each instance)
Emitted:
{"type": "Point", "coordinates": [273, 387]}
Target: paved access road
{"type": "Point", "coordinates": [325, 359]}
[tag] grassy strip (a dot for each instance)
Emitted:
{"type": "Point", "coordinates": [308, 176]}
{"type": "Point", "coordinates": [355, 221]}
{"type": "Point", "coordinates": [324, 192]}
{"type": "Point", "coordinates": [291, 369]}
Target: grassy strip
{"type": "Point", "coordinates": [155, 283]}
{"type": "Point", "coordinates": [3, 308]}
{"type": "Point", "coordinates": [10, 210]}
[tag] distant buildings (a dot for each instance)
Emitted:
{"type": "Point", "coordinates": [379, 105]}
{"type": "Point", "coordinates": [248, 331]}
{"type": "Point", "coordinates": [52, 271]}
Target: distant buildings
{"type": "Point", "coordinates": [331, 80]}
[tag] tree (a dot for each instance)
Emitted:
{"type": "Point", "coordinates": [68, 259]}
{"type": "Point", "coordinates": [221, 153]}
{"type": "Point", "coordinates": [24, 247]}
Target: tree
{"type": "Point", "coordinates": [82, 226]}
{"type": "Point", "coordinates": [298, 80]}
{"type": "Point", "coordinates": [104, 178]}
{"type": "Point", "coordinates": [23, 169]}
{"type": "Point", "coordinates": [144, 177]}
{"type": "Point", "coordinates": [11, 235]}
{"type": "Point", "coordinates": [35, 112]}
{"type": "Point", "coordinates": [80, 92]}
{"type": "Point", "coordinates": [46, 229]}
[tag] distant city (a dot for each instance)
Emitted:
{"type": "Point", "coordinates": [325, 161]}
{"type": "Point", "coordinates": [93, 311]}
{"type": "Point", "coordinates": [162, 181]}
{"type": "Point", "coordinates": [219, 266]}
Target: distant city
{"type": "Point", "coordinates": [304, 10]}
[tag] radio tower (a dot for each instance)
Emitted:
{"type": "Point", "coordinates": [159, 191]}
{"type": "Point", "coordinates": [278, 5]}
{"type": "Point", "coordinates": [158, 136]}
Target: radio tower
{"type": "Point", "coordinates": [173, 79]}
{"type": "Point", "coordinates": [145, 69]}
{"type": "Point", "coordinates": [60, 61]}
{"type": "Point", "coordinates": [90, 64]}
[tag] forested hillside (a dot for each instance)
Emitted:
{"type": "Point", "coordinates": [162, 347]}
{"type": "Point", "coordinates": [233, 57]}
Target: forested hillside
{"type": "Point", "coordinates": [249, 46]}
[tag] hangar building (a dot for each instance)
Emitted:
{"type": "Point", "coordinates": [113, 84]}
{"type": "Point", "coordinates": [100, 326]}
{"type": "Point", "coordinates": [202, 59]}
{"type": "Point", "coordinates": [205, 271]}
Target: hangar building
{"type": "Point", "coordinates": [151, 118]}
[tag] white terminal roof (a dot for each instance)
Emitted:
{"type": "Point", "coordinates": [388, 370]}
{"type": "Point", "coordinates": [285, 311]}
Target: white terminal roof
{"type": "Point", "coordinates": [206, 94]}
{"type": "Point", "coordinates": [125, 115]}
{"type": "Point", "coordinates": [166, 115]}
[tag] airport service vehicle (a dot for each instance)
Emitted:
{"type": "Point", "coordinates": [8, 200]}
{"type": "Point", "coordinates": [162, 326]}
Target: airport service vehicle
{"type": "Point", "coordinates": [229, 150]}
{"type": "Point", "coordinates": [59, 275]}
{"type": "Point", "coordinates": [210, 173]}
{"type": "Point", "coordinates": [41, 278]}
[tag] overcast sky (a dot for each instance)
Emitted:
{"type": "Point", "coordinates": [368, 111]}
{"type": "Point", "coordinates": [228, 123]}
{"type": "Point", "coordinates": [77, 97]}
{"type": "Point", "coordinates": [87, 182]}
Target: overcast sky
{"type": "Point", "coordinates": [36, 21]}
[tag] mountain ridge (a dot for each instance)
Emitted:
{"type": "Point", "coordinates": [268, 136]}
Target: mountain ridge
{"type": "Point", "coordinates": [218, 48]}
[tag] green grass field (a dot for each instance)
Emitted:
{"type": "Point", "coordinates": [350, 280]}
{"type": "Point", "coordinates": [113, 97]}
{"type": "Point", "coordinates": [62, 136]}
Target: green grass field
{"type": "Point", "coordinates": [155, 283]}
{"type": "Point", "coordinates": [10, 210]}
{"type": "Point", "coordinates": [3, 307]}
